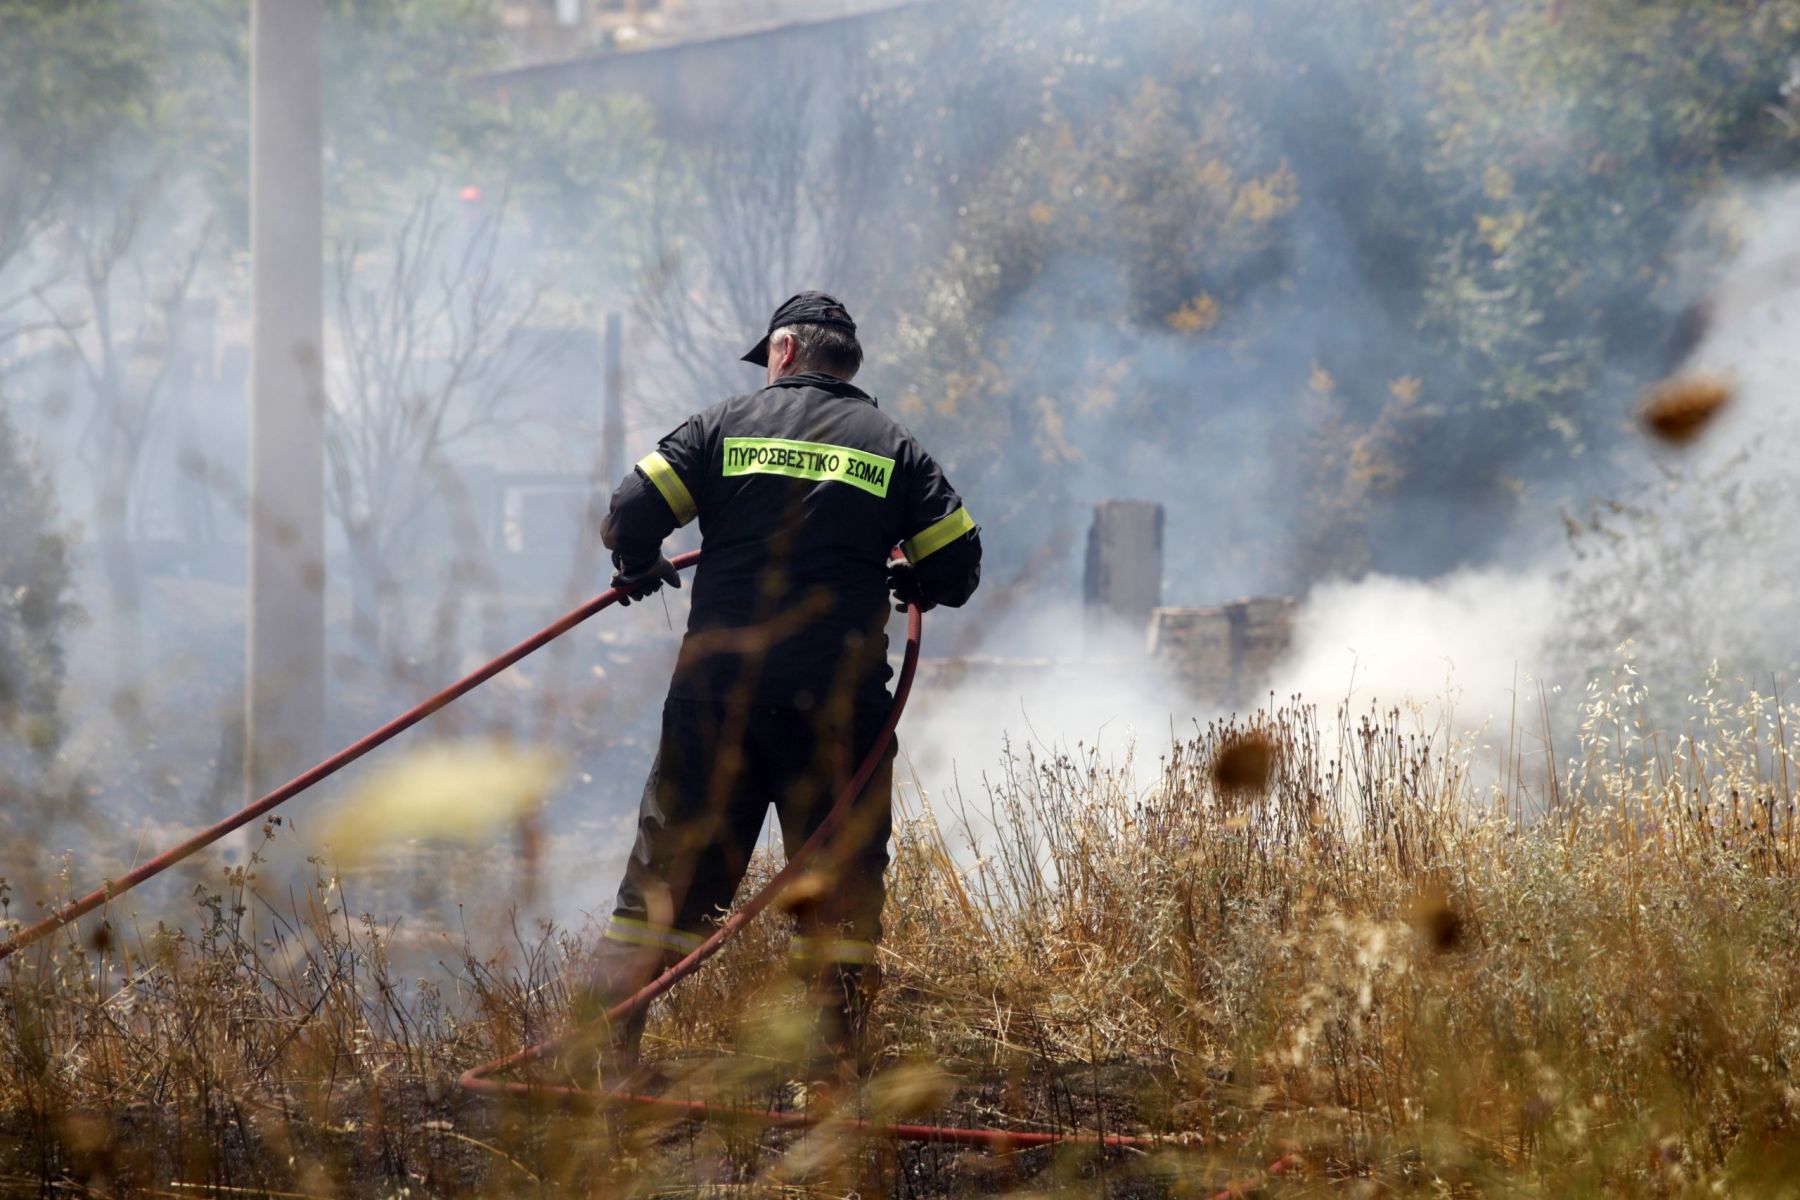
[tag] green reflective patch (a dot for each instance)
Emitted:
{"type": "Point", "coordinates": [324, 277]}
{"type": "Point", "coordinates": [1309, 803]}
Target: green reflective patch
{"type": "Point", "coordinates": [809, 460]}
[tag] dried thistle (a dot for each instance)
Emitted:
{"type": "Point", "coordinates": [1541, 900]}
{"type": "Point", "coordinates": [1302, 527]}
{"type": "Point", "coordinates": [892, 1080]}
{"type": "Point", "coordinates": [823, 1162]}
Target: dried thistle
{"type": "Point", "coordinates": [1437, 923]}
{"type": "Point", "coordinates": [803, 896]}
{"type": "Point", "coordinates": [1678, 409]}
{"type": "Point", "coordinates": [1244, 763]}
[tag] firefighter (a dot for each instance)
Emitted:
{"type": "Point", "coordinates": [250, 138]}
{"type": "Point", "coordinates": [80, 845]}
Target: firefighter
{"type": "Point", "coordinates": [802, 490]}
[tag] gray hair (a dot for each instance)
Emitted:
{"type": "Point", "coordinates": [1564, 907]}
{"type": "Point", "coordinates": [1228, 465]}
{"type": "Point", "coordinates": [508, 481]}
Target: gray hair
{"type": "Point", "coordinates": [824, 348]}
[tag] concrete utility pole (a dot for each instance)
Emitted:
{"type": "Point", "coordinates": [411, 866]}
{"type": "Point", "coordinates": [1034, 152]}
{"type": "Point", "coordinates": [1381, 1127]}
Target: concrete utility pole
{"type": "Point", "coordinates": [612, 414]}
{"type": "Point", "coordinates": [285, 664]}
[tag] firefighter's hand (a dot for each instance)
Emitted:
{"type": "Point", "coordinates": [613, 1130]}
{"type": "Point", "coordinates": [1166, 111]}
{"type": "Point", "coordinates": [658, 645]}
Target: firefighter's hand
{"type": "Point", "coordinates": [639, 582]}
{"type": "Point", "coordinates": [903, 581]}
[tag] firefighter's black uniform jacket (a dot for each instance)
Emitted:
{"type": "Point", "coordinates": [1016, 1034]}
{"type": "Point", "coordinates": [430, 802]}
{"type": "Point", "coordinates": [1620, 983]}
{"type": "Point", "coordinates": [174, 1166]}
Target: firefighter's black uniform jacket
{"type": "Point", "coordinates": [802, 490]}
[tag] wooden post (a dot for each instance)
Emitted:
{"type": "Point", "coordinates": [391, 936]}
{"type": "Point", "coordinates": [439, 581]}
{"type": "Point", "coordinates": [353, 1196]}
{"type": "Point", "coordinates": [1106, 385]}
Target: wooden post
{"type": "Point", "coordinates": [285, 651]}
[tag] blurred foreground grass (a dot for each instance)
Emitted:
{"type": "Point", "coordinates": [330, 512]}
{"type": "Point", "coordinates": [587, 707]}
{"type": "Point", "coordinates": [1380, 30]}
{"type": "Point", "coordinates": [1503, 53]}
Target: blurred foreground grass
{"type": "Point", "coordinates": [1371, 974]}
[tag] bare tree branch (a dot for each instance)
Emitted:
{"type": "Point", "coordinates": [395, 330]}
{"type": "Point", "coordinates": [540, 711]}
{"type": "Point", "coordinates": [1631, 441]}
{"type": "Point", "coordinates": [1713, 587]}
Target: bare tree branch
{"type": "Point", "coordinates": [431, 349]}
{"type": "Point", "coordinates": [775, 203]}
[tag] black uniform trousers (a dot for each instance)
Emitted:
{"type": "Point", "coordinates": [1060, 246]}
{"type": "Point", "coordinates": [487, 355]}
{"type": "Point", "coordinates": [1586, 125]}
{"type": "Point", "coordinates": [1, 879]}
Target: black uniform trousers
{"type": "Point", "coordinates": [718, 768]}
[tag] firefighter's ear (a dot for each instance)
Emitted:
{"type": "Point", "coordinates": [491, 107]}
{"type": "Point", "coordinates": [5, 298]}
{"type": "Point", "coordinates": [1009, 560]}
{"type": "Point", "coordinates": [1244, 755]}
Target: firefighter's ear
{"type": "Point", "coordinates": [784, 348]}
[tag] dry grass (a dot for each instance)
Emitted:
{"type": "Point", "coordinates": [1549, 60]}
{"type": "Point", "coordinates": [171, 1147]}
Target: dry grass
{"type": "Point", "coordinates": [1373, 976]}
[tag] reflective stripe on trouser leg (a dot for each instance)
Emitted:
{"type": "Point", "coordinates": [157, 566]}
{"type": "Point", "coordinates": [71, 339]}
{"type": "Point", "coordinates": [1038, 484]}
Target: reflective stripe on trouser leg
{"type": "Point", "coordinates": [821, 949]}
{"type": "Point", "coordinates": [634, 932]}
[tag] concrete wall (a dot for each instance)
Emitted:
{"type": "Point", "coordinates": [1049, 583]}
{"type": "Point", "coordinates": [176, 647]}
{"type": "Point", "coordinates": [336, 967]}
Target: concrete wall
{"type": "Point", "coordinates": [1225, 654]}
{"type": "Point", "coordinates": [1224, 657]}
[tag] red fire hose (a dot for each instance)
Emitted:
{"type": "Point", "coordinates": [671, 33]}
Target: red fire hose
{"type": "Point", "coordinates": [478, 1079]}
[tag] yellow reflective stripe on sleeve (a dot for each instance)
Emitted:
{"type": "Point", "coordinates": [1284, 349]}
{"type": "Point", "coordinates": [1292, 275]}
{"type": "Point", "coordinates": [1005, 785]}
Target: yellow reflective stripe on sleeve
{"type": "Point", "coordinates": [681, 502]}
{"type": "Point", "coordinates": [831, 950]}
{"type": "Point", "coordinates": [634, 932]}
{"type": "Point", "coordinates": [936, 536]}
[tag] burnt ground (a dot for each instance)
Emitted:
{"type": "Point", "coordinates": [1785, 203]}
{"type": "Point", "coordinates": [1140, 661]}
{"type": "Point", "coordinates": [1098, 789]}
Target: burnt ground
{"type": "Point", "coordinates": [437, 1141]}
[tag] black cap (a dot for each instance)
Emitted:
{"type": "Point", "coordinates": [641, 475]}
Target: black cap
{"type": "Point", "coordinates": [808, 308]}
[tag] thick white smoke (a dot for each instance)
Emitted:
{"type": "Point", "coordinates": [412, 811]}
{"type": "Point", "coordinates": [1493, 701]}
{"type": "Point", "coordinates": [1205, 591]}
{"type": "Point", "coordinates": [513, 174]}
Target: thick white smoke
{"type": "Point", "coordinates": [1455, 649]}
{"type": "Point", "coordinates": [1752, 331]}
{"type": "Point", "coordinates": [1108, 704]}
{"type": "Point", "coordinates": [1684, 569]}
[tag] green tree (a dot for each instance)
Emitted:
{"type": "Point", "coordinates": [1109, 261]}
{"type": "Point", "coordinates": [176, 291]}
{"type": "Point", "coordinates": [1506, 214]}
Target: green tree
{"type": "Point", "coordinates": [1163, 217]}
{"type": "Point", "coordinates": [70, 75]}
{"type": "Point", "coordinates": [1570, 145]}
{"type": "Point", "coordinates": [1096, 320]}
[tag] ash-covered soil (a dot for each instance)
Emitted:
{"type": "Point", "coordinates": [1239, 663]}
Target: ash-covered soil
{"type": "Point", "coordinates": [421, 1140]}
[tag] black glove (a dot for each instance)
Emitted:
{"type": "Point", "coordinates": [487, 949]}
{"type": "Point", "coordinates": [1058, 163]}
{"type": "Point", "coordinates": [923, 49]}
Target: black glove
{"type": "Point", "coordinates": [903, 581]}
{"type": "Point", "coordinates": [639, 582]}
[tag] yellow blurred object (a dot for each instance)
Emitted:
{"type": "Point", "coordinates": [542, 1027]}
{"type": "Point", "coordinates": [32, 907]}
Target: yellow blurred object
{"type": "Point", "coordinates": [451, 791]}
{"type": "Point", "coordinates": [910, 1091]}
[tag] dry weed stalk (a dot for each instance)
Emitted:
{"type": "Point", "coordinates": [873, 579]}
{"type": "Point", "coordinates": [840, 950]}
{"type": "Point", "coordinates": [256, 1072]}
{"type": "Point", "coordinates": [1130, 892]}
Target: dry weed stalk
{"type": "Point", "coordinates": [1368, 969]}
